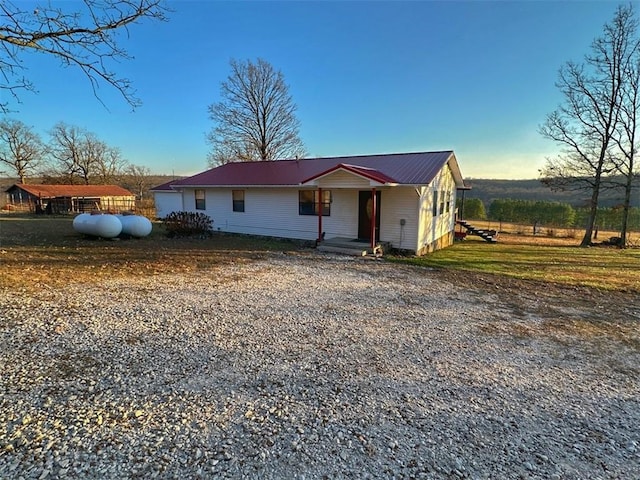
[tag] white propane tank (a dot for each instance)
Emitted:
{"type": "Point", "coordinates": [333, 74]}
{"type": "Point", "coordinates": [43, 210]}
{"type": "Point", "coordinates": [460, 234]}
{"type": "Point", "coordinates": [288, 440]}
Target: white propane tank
{"type": "Point", "coordinates": [79, 223]}
{"type": "Point", "coordinates": [135, 225]}
{"type": "Point", "coordinates": [102, 225]}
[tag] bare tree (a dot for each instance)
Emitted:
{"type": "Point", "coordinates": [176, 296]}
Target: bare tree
{"type": "Point", "coordinates": [21, 149]}
{"type": "Point", "coordinates": [255, 120]}
{"type": "Point", "coordinates": [80, 156]}
{"type": "Point", "coordinates": [137, 178]}
{"type": "Point", "coordinates": [85, 37]}
{"type": "Point", "coordinates": [65, 149]}
{"type": "Point", "coordinates": [107, 164]}
{"type": "Point", "coordinates": [585, 124]}
{"type": "Point", "coordinates": [626, 139]}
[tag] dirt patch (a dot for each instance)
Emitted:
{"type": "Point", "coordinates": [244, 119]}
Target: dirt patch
{"type": "Point", "coordinates": [568, 314]}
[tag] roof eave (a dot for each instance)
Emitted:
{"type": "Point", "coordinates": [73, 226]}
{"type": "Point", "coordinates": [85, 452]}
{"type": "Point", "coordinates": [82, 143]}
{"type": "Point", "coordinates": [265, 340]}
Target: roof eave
{"type": "Point", "coordinates": [239, 185]}
{"type": "Point", "coordinates": [452, 161]}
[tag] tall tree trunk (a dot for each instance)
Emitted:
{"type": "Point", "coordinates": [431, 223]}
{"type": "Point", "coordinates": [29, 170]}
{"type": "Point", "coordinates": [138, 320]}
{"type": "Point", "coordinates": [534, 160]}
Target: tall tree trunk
{"type": "Point", "coordinates": [626, 206]}
{"type": "Point", "coordinates": [593, 210]}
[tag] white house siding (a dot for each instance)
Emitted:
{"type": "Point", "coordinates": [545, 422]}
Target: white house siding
{"type": "Point", "coordinates": [396, 204]}
{"type": "Point", "coordinates": [189, 200]}
{"type": "Point", "coordinates": [167, 202]}
{"type": "Point", "coordinates": [343, 221]}
{"type": "Point", "coordinates": [267, 211]}
{"type": "Point", "coordinates": [436, 232]}
{"type": "Point", "coordinates": [274, 212]}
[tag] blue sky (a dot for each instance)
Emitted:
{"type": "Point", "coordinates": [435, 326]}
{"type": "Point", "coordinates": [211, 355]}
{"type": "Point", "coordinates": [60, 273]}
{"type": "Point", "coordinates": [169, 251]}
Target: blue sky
{"type": "Point", "coordinates": [477, 77]}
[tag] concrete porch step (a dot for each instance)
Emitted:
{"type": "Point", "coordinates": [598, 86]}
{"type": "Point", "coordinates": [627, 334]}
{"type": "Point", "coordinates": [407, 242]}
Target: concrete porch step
{"type": "Point", "coordinates": [356, 252]}
{"type": "Point", "coordinates": [348, 246]}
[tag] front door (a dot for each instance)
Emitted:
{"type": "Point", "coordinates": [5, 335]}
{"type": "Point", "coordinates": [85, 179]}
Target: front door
{"type": "Point", "coordinates": [365, 209]}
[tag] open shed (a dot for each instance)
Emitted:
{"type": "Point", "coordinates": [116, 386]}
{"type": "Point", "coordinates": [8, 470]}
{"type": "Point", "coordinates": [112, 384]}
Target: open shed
{"type": "Point", "coordinates": [70, 198]}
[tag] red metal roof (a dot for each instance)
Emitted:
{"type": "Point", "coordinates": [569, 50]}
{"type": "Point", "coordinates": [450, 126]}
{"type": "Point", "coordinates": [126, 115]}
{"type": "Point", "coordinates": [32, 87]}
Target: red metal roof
{"type": "Point", "coordinates": [165, 187]}
{"type": "Point", "coordinates": [51, 191]}
{"type": "Point", "coordinates": [401, 168]}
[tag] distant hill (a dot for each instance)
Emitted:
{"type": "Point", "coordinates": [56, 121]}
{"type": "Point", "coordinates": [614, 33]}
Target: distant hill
{"type": "Point", "coordinates": [488, 190]}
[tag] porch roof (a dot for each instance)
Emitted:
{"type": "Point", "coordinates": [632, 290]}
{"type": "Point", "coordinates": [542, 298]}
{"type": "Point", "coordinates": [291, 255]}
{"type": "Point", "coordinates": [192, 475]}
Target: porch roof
{"type": "Point", "coordinates": [368, 173]}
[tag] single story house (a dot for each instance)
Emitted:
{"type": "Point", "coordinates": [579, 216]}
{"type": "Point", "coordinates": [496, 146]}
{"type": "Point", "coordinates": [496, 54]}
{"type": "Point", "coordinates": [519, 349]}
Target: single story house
{"type": "Point", "coordinates": [406, 200]}
{"type": "Point", "coordinates": [70, 198]}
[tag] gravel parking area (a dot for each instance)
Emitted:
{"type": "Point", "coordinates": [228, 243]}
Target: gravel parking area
{"type": "Point", "coordinates": [316, 366]}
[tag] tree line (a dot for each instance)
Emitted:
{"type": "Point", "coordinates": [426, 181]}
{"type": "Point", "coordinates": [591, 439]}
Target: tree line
{"type": "Point", "coordinates": [547, 214]}
{"type": "Point", "coordinates": [72, 155]}
{"type": "Point", "coordinates": [533, 189]}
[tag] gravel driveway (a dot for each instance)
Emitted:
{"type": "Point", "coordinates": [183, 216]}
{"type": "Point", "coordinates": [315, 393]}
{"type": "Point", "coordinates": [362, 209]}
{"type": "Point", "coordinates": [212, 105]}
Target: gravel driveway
{"type": "Point", "coordinates": [315, 366]}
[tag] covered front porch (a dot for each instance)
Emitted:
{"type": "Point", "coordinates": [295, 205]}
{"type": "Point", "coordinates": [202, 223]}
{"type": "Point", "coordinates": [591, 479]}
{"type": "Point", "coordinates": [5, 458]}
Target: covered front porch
{"type": "Point", "coordinates": [366, 186]}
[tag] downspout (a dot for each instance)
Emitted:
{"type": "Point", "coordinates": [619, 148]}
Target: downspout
{"type": "Point", "coordinates": [319, 216]}
{"type": "Point", "coordinates": [373, 218]}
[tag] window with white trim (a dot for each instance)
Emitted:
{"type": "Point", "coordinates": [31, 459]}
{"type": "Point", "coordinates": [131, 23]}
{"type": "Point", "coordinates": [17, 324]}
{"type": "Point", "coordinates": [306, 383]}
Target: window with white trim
{"type": "Point", "coordinates": [309, 204]}
{"type": "Point", "coordinates": [238, 200]}
{"type": "Point", "coordinates": [200, 199]}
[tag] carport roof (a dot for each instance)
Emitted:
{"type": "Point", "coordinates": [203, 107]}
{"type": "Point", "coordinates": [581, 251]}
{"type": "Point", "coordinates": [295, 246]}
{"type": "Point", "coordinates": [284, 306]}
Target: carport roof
{"type": "Point", "coordinates": [53, 191]}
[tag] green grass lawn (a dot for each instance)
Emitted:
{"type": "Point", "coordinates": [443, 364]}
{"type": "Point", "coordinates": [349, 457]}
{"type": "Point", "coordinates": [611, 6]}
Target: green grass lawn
{"type": "Point", "coordinates": [600, 267]}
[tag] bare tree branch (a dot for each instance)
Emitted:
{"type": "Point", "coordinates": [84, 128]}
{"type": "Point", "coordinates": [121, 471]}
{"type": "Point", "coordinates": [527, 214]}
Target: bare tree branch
{"type": "Point", "coordinates": [86, 39]}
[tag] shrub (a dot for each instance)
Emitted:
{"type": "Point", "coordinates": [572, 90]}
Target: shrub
{"type": "Point", "coordinates": [180, 224]}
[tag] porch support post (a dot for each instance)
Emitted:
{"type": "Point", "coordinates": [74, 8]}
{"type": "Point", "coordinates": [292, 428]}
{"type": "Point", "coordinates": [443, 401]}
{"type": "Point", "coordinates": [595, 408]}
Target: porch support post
{"type": "Point", "coordinates": [374, 209]}
{"type": "Point", "coordinates": [319, 215]}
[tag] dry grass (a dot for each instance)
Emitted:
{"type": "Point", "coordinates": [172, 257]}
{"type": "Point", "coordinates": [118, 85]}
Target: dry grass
{"type": "Point", "coordinates": [45, 252]}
